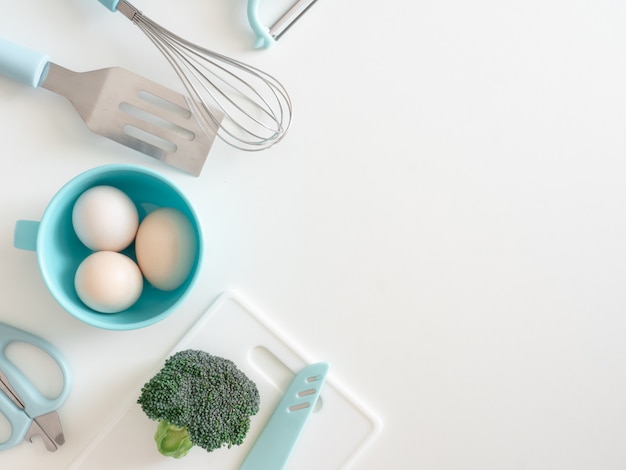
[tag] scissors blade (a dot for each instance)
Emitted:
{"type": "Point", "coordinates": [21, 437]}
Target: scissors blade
{"type": "Point", "coordinates": [9, 391]}
{"type": "Point", "coordinates": [48, 427]}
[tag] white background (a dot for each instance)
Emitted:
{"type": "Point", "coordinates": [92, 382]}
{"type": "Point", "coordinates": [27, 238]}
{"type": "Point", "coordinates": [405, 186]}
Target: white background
{"type": "Point", "coordinates": [444, 222]}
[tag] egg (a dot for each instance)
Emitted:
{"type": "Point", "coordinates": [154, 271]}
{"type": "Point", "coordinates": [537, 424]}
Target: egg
{"type": "Point", "coordinates": [108, 281]}
{"type": "Point", "coordinates": [105, 218]}
{"type": "Point", "coordinates": [166, 248]}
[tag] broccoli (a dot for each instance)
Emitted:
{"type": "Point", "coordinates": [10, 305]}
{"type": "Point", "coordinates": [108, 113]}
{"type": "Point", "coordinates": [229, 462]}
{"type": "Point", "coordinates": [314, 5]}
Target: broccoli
{"type": "Point", "coordinates": [199, 399]}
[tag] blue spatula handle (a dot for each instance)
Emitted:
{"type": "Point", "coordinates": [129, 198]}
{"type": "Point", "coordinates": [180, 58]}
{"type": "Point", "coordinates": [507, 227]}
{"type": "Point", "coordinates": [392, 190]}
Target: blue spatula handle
{"type": "Point", "coordinates": [22, 64]}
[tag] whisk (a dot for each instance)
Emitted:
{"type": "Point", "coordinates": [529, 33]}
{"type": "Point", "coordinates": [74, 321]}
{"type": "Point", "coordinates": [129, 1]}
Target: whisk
{"type": "Point", "coordinates": [248, 108]}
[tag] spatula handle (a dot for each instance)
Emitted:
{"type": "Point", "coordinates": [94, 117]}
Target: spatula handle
{"type": "Point", "coordinates": [22, 64]}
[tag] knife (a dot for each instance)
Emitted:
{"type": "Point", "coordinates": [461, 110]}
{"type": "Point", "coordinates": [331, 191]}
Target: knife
{"type": "Point", "coordinates": [279, 436]}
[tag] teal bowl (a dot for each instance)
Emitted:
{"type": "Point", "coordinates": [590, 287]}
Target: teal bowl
{"type": "Point", "coordinates": [59, 251]}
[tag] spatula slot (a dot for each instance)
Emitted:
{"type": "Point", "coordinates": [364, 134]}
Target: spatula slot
{"type": "Point", "coordinates": [149, 138]}
{"type": "Point", "coordinates": [306, 393]}
{"type": "Point", "coordinates": [164, 104]}
{"type": "Point", "coordinates": [157, 121]}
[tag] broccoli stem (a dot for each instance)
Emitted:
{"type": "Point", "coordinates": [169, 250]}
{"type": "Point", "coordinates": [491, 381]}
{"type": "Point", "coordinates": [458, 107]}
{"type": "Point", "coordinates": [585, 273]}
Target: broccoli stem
{"type": "Point", "coordinates": [172, 440]}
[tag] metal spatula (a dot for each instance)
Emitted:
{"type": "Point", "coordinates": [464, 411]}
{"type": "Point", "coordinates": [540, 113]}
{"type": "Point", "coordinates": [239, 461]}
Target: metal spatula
{"type": "Point", "coordinates": [120, 105]}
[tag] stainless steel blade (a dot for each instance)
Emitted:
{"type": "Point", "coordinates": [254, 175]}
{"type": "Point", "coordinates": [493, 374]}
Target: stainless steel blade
{"type": "Point", "coordinates": [48, 428]}
{"type": "Point", "coordinates": [136, 112]}
{"type": "Point", "coordinates": [9, 391]}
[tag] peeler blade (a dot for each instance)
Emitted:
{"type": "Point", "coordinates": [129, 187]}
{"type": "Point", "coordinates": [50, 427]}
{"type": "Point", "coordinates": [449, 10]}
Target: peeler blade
{"type": "Point", "coordinates": [267, 36]}
{"type": "Point", "coordinates": [136, 112]}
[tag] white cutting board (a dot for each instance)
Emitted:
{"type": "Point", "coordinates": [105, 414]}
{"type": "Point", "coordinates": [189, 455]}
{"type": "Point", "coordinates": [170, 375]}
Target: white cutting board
{"type": "Point", "coordinates": [336, 433]}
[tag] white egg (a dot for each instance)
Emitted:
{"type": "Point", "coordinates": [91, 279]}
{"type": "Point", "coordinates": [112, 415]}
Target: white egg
{"type": "Point", "coordinates": [105, 218]}
{"type": "Point", "coordinates": [166, 248]}
{"type": "Point", "coordinates": [108, 281]}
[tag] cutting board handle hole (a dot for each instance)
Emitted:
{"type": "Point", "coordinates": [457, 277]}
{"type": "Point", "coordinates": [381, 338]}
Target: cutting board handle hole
{"type": "Point", "coordinates": [275, 371]}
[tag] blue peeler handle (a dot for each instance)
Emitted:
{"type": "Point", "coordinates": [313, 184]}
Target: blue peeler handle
{"type": "Point", "coordinates": [35, 404]}
{"type": "Point", "coordinates": [264, 38]}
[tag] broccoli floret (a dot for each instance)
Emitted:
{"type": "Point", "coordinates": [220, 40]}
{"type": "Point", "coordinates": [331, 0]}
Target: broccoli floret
{"type": "Point", "coordinates": [199, 399]}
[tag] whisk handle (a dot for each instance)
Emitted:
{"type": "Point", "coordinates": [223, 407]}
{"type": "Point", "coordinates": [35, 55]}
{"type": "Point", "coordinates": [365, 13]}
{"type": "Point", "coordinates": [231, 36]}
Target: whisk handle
{"type": "Point", "coordinates": [110, 4]}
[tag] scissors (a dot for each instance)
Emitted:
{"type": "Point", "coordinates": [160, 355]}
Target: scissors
{"type": "Point", "coordinates": [27, 410]}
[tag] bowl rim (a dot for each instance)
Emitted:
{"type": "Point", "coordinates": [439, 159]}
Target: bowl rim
{"type": "Point", "coordinates": [92, 317]}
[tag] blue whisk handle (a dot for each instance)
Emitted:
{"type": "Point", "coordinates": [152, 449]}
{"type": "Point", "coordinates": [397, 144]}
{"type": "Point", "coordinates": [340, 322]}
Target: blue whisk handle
{"type": "Point", "coordinates": [110, 4]}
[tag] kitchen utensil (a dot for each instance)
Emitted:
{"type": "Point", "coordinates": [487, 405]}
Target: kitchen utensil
{"type": "Point", "coordinates": [255, 106]}
{"type": "Point", "coordinates": [279, 436]}
{"type": "Point", "coordinates": [120, 105]}
{"type": "Point", "coordinates": [60, 252]}
{"type": "Point", "coordinates": [28, 411]}
{"type": "Point", "coordinates": [267, 36]}
{"type": "Point", "coordinates": [336, 435]}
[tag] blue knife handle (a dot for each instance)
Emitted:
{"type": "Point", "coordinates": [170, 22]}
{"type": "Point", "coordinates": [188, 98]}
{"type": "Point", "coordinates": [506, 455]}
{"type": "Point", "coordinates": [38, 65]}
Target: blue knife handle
{"type": "Point", "coordinates": [279, 436]}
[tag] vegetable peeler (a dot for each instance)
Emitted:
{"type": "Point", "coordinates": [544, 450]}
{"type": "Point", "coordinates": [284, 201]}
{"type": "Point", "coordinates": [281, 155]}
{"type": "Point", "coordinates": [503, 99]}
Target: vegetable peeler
{"type": "Point", "coordinates": [267, 36]}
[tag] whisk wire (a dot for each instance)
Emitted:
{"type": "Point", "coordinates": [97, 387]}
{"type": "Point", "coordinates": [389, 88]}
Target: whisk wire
{"type": "Point", "coordinates": [195, 67]}
{"type": "Point", "coordinates": [250, 109]}
{"type": "Point", "coordinates": [209, 117]}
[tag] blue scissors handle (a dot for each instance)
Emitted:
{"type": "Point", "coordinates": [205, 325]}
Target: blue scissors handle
{"type": "Point", "coordinates": [35, 404]}
{"type": "Point", "coordinates": [19, 421]}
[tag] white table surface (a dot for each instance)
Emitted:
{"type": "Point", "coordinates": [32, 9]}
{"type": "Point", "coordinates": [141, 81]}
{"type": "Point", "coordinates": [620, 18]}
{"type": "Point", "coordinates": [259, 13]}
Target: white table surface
{"type": "Point", "coordinates": [444, 222]}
